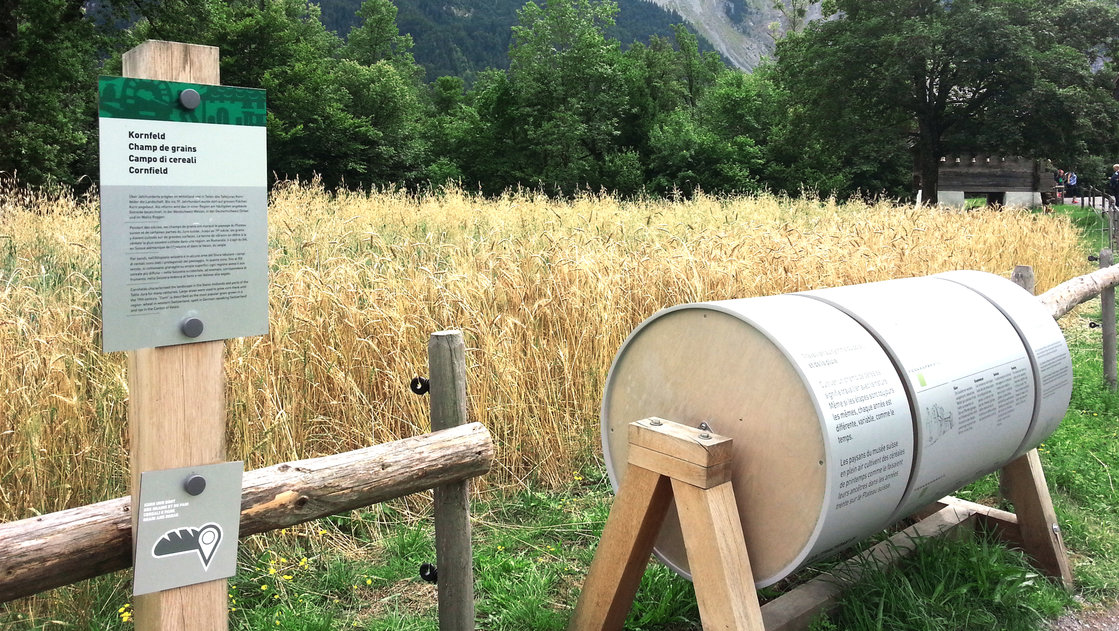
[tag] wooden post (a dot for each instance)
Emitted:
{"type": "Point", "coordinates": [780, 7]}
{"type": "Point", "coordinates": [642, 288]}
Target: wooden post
{"type": "Point", "coordinates": [623, 551]}
{"type": "Point", "coordinates": [176, 412]}
{"type": "Point", "coordinates": [1107, 319]}
{"type": "Point", "coordinates": [669, 460]}
{"type": "Point", "coordinates": [446, 354]}
{"type": "Point", "coordinates": [1111, 227]}
{"type": "Point", "coordinates": [1023, 276]}
{"type": "Point", "coordinates": [1022, 482]}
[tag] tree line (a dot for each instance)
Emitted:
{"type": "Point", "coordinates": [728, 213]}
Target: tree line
{"type": "Point", "coordinates": [864, 102]}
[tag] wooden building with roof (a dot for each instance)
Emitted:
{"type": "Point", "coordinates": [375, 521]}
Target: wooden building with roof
{"type": "Point", "coordinates": [1006, 181]}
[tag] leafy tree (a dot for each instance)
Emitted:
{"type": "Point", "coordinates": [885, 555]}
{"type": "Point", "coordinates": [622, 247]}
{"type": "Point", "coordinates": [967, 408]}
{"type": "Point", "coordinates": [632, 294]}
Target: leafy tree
{"type": "Point", "coordinates": [568, 96]}
{"type": "Point", "coordinates": [376, 38]}
{"type": "Point", "coordinates": [494, 136]}
{"type": "Point", "coordinates": [345, 111]}
{"type": "Point", "coordinates": [794, 17]}
{"type": "Point", "coordinates": [48, 70]}
{"type": "Point", "coordinates": [936, 74]}
{"type": "Point", "coordinates": [688, 156]}
{"type": "Point", "coordinates": [717, 145]}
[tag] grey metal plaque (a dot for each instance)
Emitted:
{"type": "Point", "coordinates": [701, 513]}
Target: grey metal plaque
{"type": "Point", "coordinates": [187, 527]}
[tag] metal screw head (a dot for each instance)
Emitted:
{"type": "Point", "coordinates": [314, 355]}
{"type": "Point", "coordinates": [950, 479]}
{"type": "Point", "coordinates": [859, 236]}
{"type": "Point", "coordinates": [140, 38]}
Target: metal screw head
{"type": "Point", "coordinates": [189, 98]}
{"type": "Point", "coordinates": [195, 484]}
{"type": "Point", "coordinates": [1056, 529]}
{"type": "Point", "coordinates": [704, 426]}
{"type": "Point", "coordinates": [655, 422]}
{"type": "Point", "coordinates": [191, 327]}
{"type": "Point", "coordinates": [705, 436]}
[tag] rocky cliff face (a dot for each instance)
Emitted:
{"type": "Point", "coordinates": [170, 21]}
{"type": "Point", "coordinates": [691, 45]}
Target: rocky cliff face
{"type": "Point", "coordinates": [739, 29]}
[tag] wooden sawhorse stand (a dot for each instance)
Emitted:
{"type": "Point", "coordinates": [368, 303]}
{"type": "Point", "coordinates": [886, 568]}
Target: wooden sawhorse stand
{"type": "Point", "coordinates": [669, 460]}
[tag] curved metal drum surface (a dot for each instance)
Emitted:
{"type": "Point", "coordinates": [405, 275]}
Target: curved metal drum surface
{"type": "Point", "coordinates": [1045, 344]}
{"type": "Point", "coordinates": [822, 430]}
{"type": "Point", "coordinates": [849, 407]}
{"type": "Point", "coordinates": [965, 369]}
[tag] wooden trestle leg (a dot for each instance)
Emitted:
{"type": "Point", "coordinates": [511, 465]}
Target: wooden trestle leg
{"type": "Point", "coordinates": [669, 460]}
{"type": "Point", "coordinates": [1023, 483]}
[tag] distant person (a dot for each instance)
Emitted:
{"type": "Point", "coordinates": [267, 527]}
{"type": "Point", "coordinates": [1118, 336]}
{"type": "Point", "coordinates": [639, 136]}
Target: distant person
{"type": "Point", "coordinates": [1113, 183]}
{"type": "Point", "coordinates": [1059, 183]}
{"type": "Point", "coordinates": [1072, 186]}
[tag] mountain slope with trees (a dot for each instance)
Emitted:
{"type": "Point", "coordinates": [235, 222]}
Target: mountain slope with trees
{"type": "Point", "coordinates": [853, 105]}
{"type": "Point", "coordinates": [465, 37]}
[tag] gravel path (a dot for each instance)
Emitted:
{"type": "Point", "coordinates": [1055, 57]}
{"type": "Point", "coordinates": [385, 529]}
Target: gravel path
{"type": "Point", "coordinates": [1093, 619]}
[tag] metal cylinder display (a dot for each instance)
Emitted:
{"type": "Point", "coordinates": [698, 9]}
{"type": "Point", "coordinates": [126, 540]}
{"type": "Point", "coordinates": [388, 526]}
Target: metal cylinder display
{"type": "Point", "coordinates": [1045, 344]}
{"type": "Point", "coordinates": [849, 407]}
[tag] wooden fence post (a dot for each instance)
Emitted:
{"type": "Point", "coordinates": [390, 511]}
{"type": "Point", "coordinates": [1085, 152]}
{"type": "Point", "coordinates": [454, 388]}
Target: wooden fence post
{"type": "Point", "coordinates": [1107, 319]}
{"type": "Point", "coordinates": [446, 353]}
{"type": "Point", "coordinates": [176, 411]}
{"type": "Point", "coordinates": [1023, 276]}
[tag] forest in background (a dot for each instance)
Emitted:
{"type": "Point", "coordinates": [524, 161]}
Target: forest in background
{"type": "Point", "coordinates": [863, 103]}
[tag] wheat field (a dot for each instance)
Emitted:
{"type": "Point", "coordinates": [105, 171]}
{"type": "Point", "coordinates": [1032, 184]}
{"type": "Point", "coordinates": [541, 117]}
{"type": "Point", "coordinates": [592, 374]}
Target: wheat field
{"type": "Point", "coordinates": [545, 291]}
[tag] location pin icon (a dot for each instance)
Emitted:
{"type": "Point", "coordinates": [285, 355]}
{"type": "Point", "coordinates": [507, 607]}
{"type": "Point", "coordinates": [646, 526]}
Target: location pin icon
{"type": "Point", "coordinates": [209, 536]}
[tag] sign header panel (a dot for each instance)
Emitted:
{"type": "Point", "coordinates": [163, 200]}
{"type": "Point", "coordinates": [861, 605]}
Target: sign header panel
{"type": "Point", "coordinates": [184, 243]}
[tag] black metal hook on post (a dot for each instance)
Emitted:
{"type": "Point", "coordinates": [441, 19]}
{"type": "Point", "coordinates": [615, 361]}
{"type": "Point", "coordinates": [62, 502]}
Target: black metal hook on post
{"type": "Point", "coordinates": [420, 385]}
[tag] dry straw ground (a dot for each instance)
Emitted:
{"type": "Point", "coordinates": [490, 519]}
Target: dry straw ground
{"type": "Point", "coordinates": [545, 292]}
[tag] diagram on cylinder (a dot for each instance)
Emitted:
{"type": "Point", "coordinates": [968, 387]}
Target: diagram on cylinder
{"type": "Point", "coordinates": [938, 422]}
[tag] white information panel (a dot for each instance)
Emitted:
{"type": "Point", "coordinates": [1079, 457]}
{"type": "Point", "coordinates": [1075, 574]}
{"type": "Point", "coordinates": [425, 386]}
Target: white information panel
{"type": "Point", "coordinates": [823, 435]}
{"type": "Point", "coordinates": [966, 369]}
{"type": "Point", "coordinates": [861, 405]}
{"type": "Point", "coordinates": [850, 407]}
{"type": "Point", "coordinates": [1045, 343]}
{"type": "Point", "coordinates": [184, 243]}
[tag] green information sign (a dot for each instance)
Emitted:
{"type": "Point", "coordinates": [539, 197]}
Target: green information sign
{"type": "Point", "coordinates": [144, 99]}
{"type": "Point", "coordinates": [184, 245]}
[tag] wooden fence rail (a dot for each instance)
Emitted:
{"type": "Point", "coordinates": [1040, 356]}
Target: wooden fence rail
{"type": "Point", "coordinates": [68, 546]}
{"type": "Point", "coordinates": [1064, 297]}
